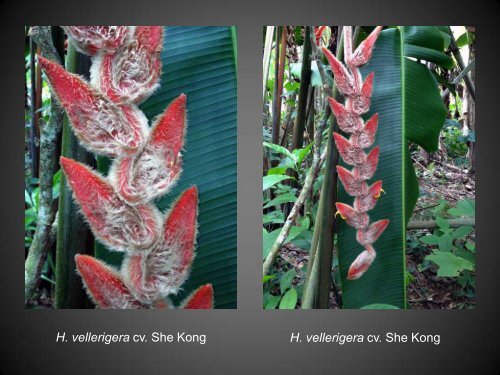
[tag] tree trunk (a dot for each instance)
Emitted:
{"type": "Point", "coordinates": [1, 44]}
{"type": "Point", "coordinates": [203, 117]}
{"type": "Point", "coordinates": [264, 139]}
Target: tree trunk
{"type": "Point", "coordinates": [317, 286]}
{"type": "Point", "coordinates": [305, 81]}
{"type": "Point", "coordinates": [34, 117]}
{"type": "Point", "coordinates": [471, 114]}
{"type": "Point", "coordinates": [44, 237]}
{"type": "Point", "coordinates": [279, 70]}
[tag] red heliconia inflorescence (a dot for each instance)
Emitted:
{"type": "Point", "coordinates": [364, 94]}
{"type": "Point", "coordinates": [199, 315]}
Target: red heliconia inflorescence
{"type": "Point", "coordinates": [152, 172]}
{"type": "Point", "coordinates": [202, 298]}
{"type": "Point", "coordinates": [159, 249]}
{"type": "Point", "coordinates": [97, 39]}
{"type": "Point", "coordinates": [116, 223]}
{"type": "Point", "coordinates": [102, 126]}
{"type": "Point", "coordinates": [318, 33]}
{"type": "Point", "coordinates": [352, 150]}
{"type": "Point", "coordinates": [130, 74]}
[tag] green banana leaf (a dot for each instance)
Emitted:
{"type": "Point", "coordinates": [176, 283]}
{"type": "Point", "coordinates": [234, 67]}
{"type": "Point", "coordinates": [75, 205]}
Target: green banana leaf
{"type": "Point", "coordinates": [410, 108]}
{"type": "Point", "coordinates": [201, 62]}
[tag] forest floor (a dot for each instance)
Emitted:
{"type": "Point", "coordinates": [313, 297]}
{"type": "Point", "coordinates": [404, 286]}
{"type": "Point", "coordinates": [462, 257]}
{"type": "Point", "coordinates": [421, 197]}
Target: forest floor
{"type": "Point", "coordinates": [438, 180]}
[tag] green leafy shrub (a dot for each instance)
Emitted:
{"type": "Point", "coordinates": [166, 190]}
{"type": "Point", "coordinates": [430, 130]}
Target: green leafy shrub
{"type": "Point", "coordinates": [453, 139]}
{"type": "Point", "coordinates": [453, 249]}
{"type": "Point", "coordinates": [288, 293]}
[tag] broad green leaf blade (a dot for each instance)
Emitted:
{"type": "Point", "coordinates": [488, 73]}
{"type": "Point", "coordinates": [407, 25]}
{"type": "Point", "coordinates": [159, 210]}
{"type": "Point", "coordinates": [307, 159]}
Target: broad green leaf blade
{"type": "Point", "coordinates": [430, 55]}
{"type": "Point", "coordinates": [445, 243]}
{"type": "Point", "coordinates": [30, 216]}
{"type": "Point", "coordinates": [449, 265]}
{"type": "Point", "coordinates": [27, 198]}
{"type": "Point", "coordinates": [445, 33]}
{"type": "Point", "coordinates": [316, 81]}
{"type": "Point", "coordinates": [280, 199]}
{"type": "Point", "coordinates": [272, 302]}
{"type": "Point", "coordinates": [425, 111]}
{"type": "Point", "coordinates": [466, 207]}
{"type": "Point", "coordinates": [200, 62]}
{"type": "Point", "coordinates": [269, 238]}
{"type": "Point", "coordinates": [465, 39]}
{"type": "Point", "coordinates": [289, 300]}
{"type": "Point", "coordinates": [462, 231]}
{"type": "Point", "coordinates": [286, 280]}
{"type": "Point", "coordinates": [424, 36]}
{"type": "Point", "coordinates": [379, 306]}
{"type": "Point", "coordinates": [277, 170]}
{"type": "Point", "coordinates": [384, 280]}
{"type": "Point", "coordinates": [430, 239]}
{"type": "Point", "coordinates": [410, 108]}
{"type": "Point", "coordinates": [442, 223]}
{"type": "Point", "coordinates": [279, 149]}
{"type": "Point", "coordinates": [275, 217]}
{"type": "Point", "coordinates": [266, 278]}
{"type": "Point", "coordinates": [301, 153]}
{"type": "Point", "coordinates": [272, 180]}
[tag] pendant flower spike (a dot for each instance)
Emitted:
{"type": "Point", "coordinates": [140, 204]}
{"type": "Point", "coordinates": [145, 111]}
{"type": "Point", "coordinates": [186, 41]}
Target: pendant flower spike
{"type": "Point", "coordinates": [362, 135]}
{"type": "Point", "coordinates": [159, 249]}
{"type": "Point", "coordinates": [318, 33]}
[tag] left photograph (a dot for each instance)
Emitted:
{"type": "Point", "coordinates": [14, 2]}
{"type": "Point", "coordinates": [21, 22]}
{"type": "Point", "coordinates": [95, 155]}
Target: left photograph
{"type": "Point", "coordinates": [130, 167]}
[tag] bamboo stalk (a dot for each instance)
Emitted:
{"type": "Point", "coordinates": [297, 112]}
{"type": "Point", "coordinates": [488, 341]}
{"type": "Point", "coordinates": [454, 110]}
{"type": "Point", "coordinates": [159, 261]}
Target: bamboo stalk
{"type": "Point", "coordinates": [268, 45]}
{"type": "Point", "coordinates": [310, 115]}
{"type": "Point", "coordinates": [317, 286]}
{"type": "Point", "coordinates": [305, 82]}
{"type": "Point", "coordinates": [285, 230]}
{"type": "Point", "coordinates": [279, 69]}
{"type": "Point", "coordinates": [318, 160]}
{"type": "Point", "coordinates": [73, 234]}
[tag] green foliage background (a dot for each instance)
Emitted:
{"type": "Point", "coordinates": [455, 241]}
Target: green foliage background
{"type": "Point", "coordinates": [201, 63]}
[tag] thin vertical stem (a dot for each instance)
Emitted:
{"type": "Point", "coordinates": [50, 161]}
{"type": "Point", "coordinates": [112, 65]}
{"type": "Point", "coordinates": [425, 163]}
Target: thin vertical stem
{"type": "Point", "coordinates": [73, 235]}
{"type": "Point", "coordinates": [317, 287]}
{"type": "Point", "coordinates": [33, 134]}
{"type": "Point", "coordinates": [267, 57]}
{"type": "Point", "coordinates": [305, 82]}
{"type": "Point", "coordinates": [456, 52]}
{"type": "Point", "coordinates": [278, 84]}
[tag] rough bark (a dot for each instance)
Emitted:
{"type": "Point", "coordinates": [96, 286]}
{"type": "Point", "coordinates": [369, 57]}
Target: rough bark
{"type": "Point", "coordinates": [43, 239]}
{"type": "Point", "coordinates": [431, 224]}
{"type": "Point", "coordinates": [33, 126]}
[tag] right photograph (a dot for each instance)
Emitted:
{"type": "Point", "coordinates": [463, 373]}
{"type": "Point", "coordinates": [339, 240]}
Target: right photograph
{"type": "Point", "coordinates": [369, 167]}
